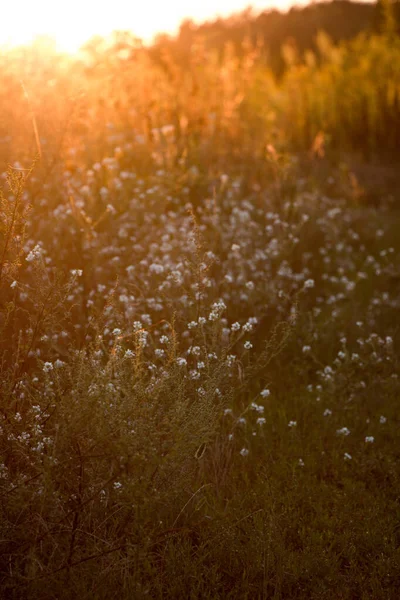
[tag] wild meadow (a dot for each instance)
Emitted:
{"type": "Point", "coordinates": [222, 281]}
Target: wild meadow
{"type": "Point", "coordinates": [199, 323]}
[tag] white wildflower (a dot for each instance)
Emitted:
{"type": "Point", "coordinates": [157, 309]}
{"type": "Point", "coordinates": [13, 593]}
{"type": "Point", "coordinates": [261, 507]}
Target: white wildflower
{"type": "Point", "coordinates": [343, 431]}
{"type": "Point", "coordinates": [34, 254]}
{"type": "Point", "coordinates": [156, 268]}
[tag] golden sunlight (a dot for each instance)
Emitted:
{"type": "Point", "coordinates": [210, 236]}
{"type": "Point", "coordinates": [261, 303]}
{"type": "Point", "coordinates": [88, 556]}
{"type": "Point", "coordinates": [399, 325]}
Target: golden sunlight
{"type": "Point", "coordinates": [72, 23]}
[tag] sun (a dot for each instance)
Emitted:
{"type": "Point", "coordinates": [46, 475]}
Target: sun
{"type": "Point", "coordinates": [70, 23]}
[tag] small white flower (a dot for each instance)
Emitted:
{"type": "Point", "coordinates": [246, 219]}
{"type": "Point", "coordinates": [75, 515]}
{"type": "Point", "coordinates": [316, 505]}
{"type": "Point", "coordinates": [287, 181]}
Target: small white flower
{"type": "Point", "coordinates": [129, 354]}
{"type": "Point", "coordinates": [224, 179]}
{"type": "Point", "coordinates": [347, 456]}
{"type": "Point", "coordinates": [306, 349]}
{"type": "Point", "coordinates": [230, 359]}
{"type": "Point", "coordinates": [117, 331]}
{"type": "Point", "coordinates": [164, 339]}
{"type": "Point", "coordinates": [156, 268]}
{"type": "Point", "coordinates": [244, 452]}
{"type": "Point", "coordinates": [235, 326]}
{"type": "Point", "coordinates": [117, 485]}
{"type": "Point", "coordinates": [369, 439]}
{"type": "Point", "coordinates": [327, 412]}
{"type": "Point", "coordinates": [343, 431]}
{"type": "Point", "coordinates": [76, 272]}
{"type": "Point", "coordinates": [261, 421]}
{"type": "Point", "coordinates": [48, 366]}
{"type": "Point", "coordinates": [292, 423]}
{"type": "Point", "coordinates": [265, 393]}
{"type": "Point", "coordinates": [181, 361]}
{"type": "Point", "coordinates": [14, 284]}
{"type": "Point", "coordinates": [301, 462]}
{"type": "Point", "coordinates": [195, 350]}
{"type": "Point", "coordinates": [309, 283]}
{"type": "Point", "coordinates": [248, 345]}
{"type": "Point", "coordinates": [34, 254]}
{"type": "Point", "coordinates": [382, 419]}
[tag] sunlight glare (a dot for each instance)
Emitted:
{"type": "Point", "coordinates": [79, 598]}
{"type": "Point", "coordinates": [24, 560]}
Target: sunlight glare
{"type": "Point", "coordinates": [72, 23]}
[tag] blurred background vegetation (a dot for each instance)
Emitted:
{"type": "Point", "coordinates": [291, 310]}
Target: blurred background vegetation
{"type": "Point", "coordinates": [322, 81]}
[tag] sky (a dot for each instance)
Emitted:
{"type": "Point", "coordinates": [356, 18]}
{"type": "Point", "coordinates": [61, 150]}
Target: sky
{"type": "Point", "coordinates": [73, 22]}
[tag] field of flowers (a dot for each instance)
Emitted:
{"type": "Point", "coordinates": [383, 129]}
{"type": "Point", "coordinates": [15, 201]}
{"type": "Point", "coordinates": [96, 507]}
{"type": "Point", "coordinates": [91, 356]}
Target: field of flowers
{"type": "Point", "coordinates": [199, 333]}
